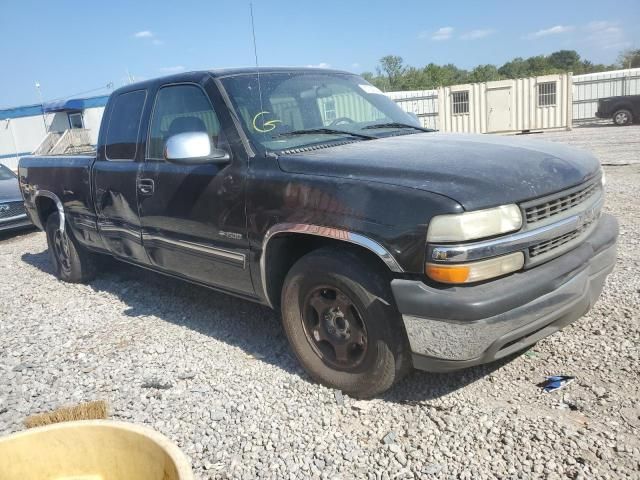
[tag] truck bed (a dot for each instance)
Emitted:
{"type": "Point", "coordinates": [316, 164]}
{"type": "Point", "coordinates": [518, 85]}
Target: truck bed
{"type": "Point", "coordinates": [67, 177]}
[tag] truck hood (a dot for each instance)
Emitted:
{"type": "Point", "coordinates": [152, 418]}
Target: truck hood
{"type": "Point", "coordinates": [9, 190]}
{"type": "Point", "coordinates": [478, 171]}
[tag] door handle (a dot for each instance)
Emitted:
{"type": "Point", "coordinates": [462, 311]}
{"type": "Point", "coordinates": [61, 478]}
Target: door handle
{"type": "Point", "coordinates": [145, 186]}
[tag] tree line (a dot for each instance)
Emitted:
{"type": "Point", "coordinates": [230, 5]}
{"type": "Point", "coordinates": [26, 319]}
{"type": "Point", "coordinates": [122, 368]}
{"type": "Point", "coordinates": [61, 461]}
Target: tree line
{"type": "Point", "coordinates": [392, 74]}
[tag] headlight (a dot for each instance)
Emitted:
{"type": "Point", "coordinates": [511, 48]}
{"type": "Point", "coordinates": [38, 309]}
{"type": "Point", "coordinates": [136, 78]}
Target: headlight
{"type": "Point", "coordinates": [475, 271]}
{"type": "Point", "coordinates": [473, 225]}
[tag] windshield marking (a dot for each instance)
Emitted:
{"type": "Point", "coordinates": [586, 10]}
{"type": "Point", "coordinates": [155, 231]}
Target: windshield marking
{"type": "Point", "coordinates": [271, 124]}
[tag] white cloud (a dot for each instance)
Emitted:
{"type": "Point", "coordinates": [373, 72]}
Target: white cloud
{"type": "Point", "coordinates": [355, 65]}
{"type": "Point", "coordinates": [173, 69]}
{"type": "Point", "coordinates": [143, 34]}
{"type": "Point", "coordinates": [606, 35]}
{"type": "Point", "coordinates": [148, 36]}
{"type": "Point", "coordinates": [444, 33]}
{"type": "Point", "coordinates": [597, 25]}
{"type": "Point", "coordinates": [555, 30]}
{"type": "Point", "coordinates": [320, 65]}
{"type": "Point", "coordinates": [476, 34]}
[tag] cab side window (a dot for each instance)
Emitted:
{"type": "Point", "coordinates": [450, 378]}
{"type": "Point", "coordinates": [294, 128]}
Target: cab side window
{"type": "Point", "coordinates": [181, 109]}
{"type": "Point", "coordinates": [124, 125]}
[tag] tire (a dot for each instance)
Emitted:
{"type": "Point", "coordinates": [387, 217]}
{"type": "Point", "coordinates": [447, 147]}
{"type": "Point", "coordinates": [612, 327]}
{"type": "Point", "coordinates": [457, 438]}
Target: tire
{"type": "Point", "coordinates": [377, 351]}
{"type": "Point", "coordinates": [622, 117]}
{"type": "Point", "coordinates": [71, 262]}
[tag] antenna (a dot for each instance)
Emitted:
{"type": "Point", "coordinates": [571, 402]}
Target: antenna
{"type": "Point", "coordinates": [255, 52]}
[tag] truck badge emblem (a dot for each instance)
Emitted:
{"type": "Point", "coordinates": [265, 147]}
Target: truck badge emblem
{"type": "Point", "coordinates": [587, 217]}
{"type": "Point", "coordinates": [4, 207]}
{"type": "Point", "coordinates": [232, 235]}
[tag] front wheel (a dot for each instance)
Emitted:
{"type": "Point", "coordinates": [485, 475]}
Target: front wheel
{"type": "Point", "coordinates": [339, 316]}
{"type": "Point", "coordinates": [71, 262]}
{"type": "Point", "coordinates": [622, 117]}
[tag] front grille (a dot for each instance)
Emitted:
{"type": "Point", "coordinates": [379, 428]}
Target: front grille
{"type": "Point", "coordinates": [548, 245]}
{"type": "Point", "coordinates": [562, 203]}
{"type": "Point", "coordinates": [11, 209]}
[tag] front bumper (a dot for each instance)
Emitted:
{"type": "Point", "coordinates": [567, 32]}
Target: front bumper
{"type": "Point", "coordinates": [458, 327]}
{"type": "Point", "coordinates": [13, 223]}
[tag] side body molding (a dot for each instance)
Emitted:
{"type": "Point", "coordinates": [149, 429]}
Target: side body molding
{"type": "Point", "coordinates": [54, 197]}
{"type": "Point", "coordinates": [328, 232]}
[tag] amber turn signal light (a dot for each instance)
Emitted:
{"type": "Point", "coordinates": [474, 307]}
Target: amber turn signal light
{"type": "Point", "coordinates": [448, 273]}
{"type": "Point", "coordinates": [475, 271]}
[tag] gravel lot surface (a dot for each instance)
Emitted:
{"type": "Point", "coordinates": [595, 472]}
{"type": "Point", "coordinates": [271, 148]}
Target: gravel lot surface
{"type": "Point", "coordinates": [612, 144]}
{"type": "Point", "coordinates": [215, 375]}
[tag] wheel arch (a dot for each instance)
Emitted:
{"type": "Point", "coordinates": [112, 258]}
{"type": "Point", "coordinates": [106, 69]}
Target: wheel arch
{"type": "Point", "coordinates": [47, 203]}
{"type": "Point", "coordinates": [623, 106]}
{"type": "Point", "coordinates": [285, 244]}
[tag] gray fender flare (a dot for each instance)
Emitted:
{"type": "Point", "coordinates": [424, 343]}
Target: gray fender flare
{"type": "Point", "coordinates": [328, 232]}
{"type": "Point", "coordinates": [56, 200]}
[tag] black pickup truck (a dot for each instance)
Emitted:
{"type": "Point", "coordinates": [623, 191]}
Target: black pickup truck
{"type": "Point", "coordinates": [623, 109]}
{"type": "Point", "coordinates": [386, 246]}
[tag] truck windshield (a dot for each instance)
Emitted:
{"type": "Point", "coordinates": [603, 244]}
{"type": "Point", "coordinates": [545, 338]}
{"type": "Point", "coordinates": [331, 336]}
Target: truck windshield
{"type": "Point", "coordinates": [296, 109]}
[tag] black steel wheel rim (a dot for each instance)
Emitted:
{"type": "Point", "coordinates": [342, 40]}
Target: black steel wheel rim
{"type": "Point", "coordinates": [335, 328]}
{"type": "Point", "coordinates": [61, 249]}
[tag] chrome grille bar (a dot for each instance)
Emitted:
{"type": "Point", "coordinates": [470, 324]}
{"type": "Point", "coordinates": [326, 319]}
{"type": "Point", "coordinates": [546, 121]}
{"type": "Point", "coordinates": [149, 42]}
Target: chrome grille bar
{"type": "Point", "coordinates": [559, 203]}
{"type": "Point", "coordinates": [548, 245]}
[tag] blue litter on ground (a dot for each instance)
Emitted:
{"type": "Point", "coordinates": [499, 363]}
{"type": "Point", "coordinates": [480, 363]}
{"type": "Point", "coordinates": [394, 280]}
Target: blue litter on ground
{"type": "Point", "coordinates": [556, 382]}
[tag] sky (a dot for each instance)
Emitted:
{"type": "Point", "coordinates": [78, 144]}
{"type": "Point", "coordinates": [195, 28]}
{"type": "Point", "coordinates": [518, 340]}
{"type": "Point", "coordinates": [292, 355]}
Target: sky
{"type": "Point", "coordinates": [78, 48]}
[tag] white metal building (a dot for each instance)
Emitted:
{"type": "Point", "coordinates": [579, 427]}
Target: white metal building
{"type": "Point", "coordinates": [424, 103]}
{"type": "Point", "coordinates": [23, 129]}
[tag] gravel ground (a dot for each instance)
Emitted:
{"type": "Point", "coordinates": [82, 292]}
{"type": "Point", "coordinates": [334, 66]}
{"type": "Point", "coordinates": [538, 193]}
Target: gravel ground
{"type": "Point", "coordinates": [215, 375]}
{"type": "Point", "coordinates": [613, 145]}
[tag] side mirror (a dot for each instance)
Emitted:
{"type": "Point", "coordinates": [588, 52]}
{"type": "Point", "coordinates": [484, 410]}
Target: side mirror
{"type": "Point", "coordinates": [193, 148]}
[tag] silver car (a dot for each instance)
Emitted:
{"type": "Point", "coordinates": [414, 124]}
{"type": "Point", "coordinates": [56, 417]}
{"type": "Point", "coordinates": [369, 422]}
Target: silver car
{"type": "Point", "coordinates": [12, 212]}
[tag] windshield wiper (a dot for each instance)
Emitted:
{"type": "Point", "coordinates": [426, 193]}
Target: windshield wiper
{"type": "Point", "coordinates": [397, 125]}
{"type": "Point", "coordinates": [327, 131]}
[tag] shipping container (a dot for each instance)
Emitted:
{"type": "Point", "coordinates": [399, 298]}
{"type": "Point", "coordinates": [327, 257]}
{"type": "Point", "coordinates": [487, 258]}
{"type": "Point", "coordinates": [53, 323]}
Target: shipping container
{"type": "Point", "coordinates": [506, 106]}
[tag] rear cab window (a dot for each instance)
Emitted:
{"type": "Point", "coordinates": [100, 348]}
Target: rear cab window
{"type": "Point", "coordinates": [124, 126]}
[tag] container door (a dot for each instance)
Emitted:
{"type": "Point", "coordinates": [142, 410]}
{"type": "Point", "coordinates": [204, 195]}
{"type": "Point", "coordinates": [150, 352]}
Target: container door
{"type": "Point", "coordinates": [499, 110]}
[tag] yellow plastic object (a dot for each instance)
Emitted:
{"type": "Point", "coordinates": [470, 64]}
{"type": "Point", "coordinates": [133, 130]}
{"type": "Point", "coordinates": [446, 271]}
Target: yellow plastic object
{"type": "Point", "coordinates": [91, 450]}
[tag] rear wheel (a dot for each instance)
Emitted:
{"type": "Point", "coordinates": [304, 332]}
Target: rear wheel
{"type": "Point", "coordinates": [622, 117]}
{"type": "Point", "coordinates": [71, 262]}
{"type": "Point", "coordinates": [340, 319]}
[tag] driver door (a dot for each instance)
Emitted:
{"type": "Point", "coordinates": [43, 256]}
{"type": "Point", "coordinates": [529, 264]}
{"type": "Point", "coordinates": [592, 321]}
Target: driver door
{"type": "Point", "coordinates": [193, 216]}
